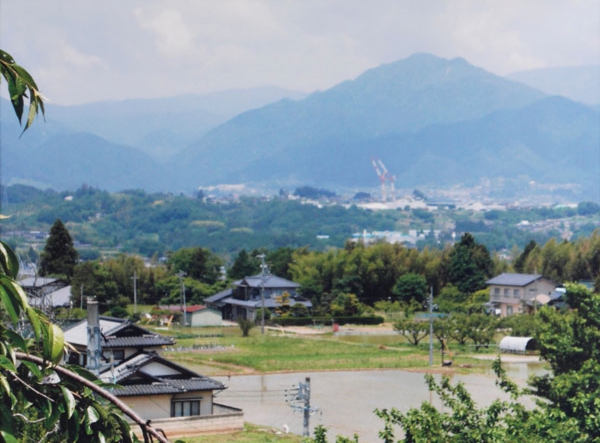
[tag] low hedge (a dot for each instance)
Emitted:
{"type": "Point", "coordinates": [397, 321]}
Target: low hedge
{"type": "Point", "coordinates": [310, 321]}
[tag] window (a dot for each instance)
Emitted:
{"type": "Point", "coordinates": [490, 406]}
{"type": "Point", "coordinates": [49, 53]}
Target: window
{"type": "Point", "coordinates": [185, 408]}
{"type": "Point", "coordinates": [509, 310]}
{"type": "Point", "coordinates": [496, 291]}
{"type": "Point", "coordinates": [516, 293]}
{"type": "Point", "coordinates": [118, 354]}
{"type": "Point", "coordinates": [506, 292]}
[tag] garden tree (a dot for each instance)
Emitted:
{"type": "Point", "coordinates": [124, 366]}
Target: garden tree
{"type": "Point", "coordinates": [41, 400]}
{"type": "Point", "coordinates": [411, 287]}
{"type": "Point", "coordinates": [519, 265]}
{"type": "Point", "coordinates": [245, 325]}
{"type": "Point", "coordinates": [244, 265]}
{"type": "Point", "coordinates": [520, 325]}
{"type": "Point", "coordinates": [346, 305]}
{"type": "Point", "coordinates": [458, 327]}
{"type": "Point", "coordinates": [469, 265]}
{"type": "Point", "coordinates": [412, 329]}
{"type": "Point", "coordinates": [480, 329]}
{"type": "Point", "coordinates": [450, 299]}
{"type": "Point", "coordinates": [59, 256]}
{"type": "Point", "coordinates": [299, 310]}
{"type": "Point", "coordinates": [283, 303]}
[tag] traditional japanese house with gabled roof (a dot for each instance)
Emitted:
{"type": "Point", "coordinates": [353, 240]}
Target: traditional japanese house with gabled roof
{"type": "Point", "coordinates": [119, 340]}
{"type": "Point", "coordinates": [174, 398]}
{"type": "Point", "coordinates": [244, 298]}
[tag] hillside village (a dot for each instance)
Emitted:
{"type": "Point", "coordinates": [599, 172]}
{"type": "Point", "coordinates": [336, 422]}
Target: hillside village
{"type": "Point", "coordinates": [169, 264]}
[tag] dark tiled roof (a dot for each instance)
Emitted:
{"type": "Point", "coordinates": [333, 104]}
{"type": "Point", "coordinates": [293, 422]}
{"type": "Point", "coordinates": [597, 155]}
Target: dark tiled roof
{"type": "Point", "coordinates": [175, 378]}
{"type": "Point", "coordinates": [169, 386]}
{"type": "Point", "coordinates": [271, 281]}
{"type": "Point", "coordinates": [218, 296]}
{"type": "Point", "coordinates": [514, 279]}
{"type": "Point", "coordinates": [137, 342]}
{"type": "Point", "coordinates": [257, 303]}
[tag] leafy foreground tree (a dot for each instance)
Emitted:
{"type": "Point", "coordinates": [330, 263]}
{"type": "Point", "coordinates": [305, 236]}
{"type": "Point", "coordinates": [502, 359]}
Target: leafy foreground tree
{"type": "Point", "coordinates": [41, 400]}
{"type": "Point", "coordinates": [567, 401]}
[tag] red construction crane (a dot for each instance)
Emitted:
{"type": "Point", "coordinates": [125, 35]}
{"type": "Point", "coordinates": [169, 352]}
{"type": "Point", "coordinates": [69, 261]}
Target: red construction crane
{"type": "Point", "coordinates": [385, 177]}
{"type": "Point", "coordinates": [381, 175]}
{"type": "Point", "coordinates": [391, 180]}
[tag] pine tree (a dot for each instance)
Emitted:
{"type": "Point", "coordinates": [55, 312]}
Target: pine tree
{"type": "Point", "coordinates": [59, 256]}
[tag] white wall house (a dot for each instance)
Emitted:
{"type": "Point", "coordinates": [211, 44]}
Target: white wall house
{"type": "Point", "coordinates": [514, 293]}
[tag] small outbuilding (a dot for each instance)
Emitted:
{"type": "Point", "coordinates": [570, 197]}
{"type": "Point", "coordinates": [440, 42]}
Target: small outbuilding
{"type": "Point", "coordinates": [518, 345]}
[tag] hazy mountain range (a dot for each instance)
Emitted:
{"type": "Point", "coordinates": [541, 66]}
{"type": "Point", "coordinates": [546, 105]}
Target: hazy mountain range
{"type": "Point", "coordinates": [434, 122]}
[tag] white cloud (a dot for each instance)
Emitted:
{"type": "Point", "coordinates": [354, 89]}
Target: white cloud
{"type": "Point", "coordinates": [168, 47]}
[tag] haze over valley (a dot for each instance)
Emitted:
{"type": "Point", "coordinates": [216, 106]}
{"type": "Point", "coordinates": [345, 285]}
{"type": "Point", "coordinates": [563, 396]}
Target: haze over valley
{"type": "Point", "coordinates": [436, 123]}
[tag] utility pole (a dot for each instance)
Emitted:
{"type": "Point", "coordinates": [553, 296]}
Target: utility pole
{"type": "Point", "coordinates": [134, 278]}
{"type": "Point", "coordinates": [263, 266]}
{"type": "Point", "coordinates": [181, 274]}
{"type": "Point", "coordinates": [301, 401]}
{"type": "Point", "coordinates": [431, 327]}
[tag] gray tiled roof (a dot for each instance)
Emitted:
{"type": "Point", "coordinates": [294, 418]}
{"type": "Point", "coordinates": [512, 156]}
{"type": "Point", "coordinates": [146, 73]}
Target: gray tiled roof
{"type": "Point", "coordinates": [136, 342]}
{"type": "Point", "coordinates": [257, 303]}
{"type": "Point", "coordinates": [169, 386]}
{"type": "Point", "coordinates": [218, 296]}
{"type": "Point", "coordinates": [507, 279]}
{"type": "Point", "coordinates": [110, 329]}
{"type": "Point", "coordinates": [271, 281]}
{"type": "Point", "coordinates": [166, 377]}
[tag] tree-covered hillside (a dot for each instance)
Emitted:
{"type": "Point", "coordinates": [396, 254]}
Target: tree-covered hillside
{"type": "Point", "coordinates": [152, 224]}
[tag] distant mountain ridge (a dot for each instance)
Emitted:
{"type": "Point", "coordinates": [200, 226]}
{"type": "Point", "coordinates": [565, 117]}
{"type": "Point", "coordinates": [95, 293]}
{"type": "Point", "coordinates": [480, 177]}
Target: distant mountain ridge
{"type": "Point", "coordinates": [432, 121]}
{"type": "Point", "coordinates": [579, 83]}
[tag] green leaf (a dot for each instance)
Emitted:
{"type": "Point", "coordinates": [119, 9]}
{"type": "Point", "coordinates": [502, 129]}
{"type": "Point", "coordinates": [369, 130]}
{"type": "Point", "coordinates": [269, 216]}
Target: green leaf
{"type": "Point", "coordinates": [8, 301]}
{"type": "Point", "coordinates": [25, 76]}
{"type": "Point", "coordinates": [6, 57]}
{"type": "Point", "coordinates": [33, 368]}
{"type": "Point", "coordinates": [8, 437]}
{"type": "Point", "coordinates": [54, 343]}
{"type": "Point", "coordinates": [8, 261]}
{"type": "Point", "coordinates": [34, 320]}
{"type": "Point", "coordinates": [17, 340]}
{"type": "Point", "coordinates": [69, 401]}
{"type": "Point", "coordinates": [7, 364]}
{"type": "Point", "coordinates": [92, 415]}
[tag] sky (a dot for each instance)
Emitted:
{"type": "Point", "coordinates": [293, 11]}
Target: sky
{"type": "Point", "coordinates": [83, 51]}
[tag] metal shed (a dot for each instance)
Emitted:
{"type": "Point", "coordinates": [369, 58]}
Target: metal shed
{"type": "Point", "coordinates": [518, 345]}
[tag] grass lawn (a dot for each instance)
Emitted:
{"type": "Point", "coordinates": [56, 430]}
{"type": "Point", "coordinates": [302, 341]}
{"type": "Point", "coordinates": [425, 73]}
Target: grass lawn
{"type": "Point", "coordinates": [223, 351]}
{"type": "Point", "coordinates": [250, 434]}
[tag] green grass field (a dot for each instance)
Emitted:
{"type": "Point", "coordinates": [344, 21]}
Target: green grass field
{"type": "Point", "coordinates": [250, 434]}
{"type": "Point", "coordinates": [223, 351]}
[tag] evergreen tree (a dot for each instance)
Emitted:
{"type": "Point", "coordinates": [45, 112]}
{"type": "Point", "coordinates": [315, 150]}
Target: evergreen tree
{"type": "Point", "coordinates": [244, 266]}
{"type": "Point", "coordinates": [411, 286]}
{"type": "Point", "coordinates": [469, 265]}
{"type": "Point", "coordinates": [522, 259]}
{"type": "Point", "coordinates": [59, 256]}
